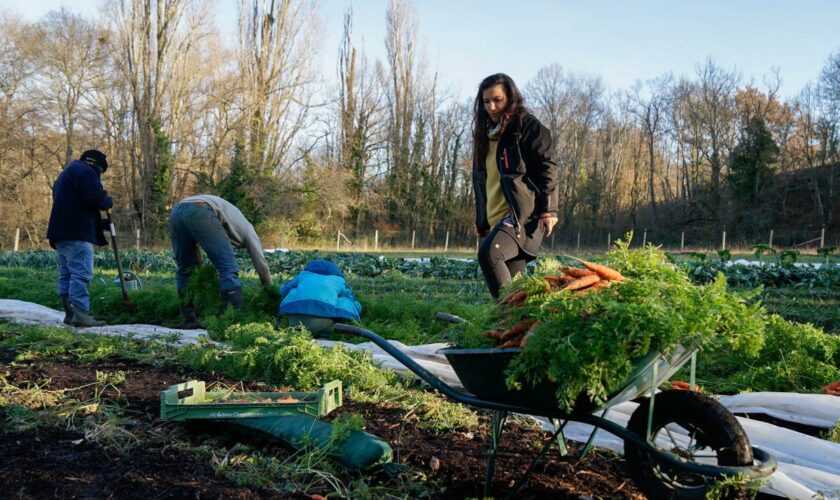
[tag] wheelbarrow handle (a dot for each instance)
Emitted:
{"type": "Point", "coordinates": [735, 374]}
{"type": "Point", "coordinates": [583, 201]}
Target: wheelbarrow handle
{"type": "Point", "coordinates": [426, 375]}
{"type": "Point", "coordinates": [398, 355]}
{"type": "Point", "coordinates": [448, 318]}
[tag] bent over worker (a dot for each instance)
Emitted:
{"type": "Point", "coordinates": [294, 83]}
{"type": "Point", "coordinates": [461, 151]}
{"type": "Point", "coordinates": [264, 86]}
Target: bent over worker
{"type": "Point", "coordinates": [217, 226]}
{"type": "Point", "coordinates": [318, 297]}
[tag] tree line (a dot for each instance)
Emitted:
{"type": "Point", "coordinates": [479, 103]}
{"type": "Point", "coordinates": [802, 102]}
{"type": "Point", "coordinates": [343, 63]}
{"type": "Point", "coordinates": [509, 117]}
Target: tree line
{"type": "Point", "coordinates": [381, 143]}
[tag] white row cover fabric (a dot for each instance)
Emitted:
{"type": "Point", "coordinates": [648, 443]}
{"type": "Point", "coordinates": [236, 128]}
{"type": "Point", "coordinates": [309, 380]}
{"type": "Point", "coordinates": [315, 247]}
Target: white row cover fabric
{"type": "Point", "coordinates": [808, 467]}
{"type": "Point", "coordinates": [35, 314]}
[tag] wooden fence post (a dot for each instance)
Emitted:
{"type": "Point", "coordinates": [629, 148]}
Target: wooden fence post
{"type": "Point", "coordinates": [412, 238]}
{"type": "Point", "coordinates": [17, 239]}
{"type": "Point", "coordinates": [376, 240]}
{"type": "Point", "coordinates": [644, 238]}
{"type": "Point", "coordinates": [577, 248]}
{"type": "Point", "coordinates": [609, 241]}
{"type": "Point", "coordinates": [770, 242]}
{"type": "Point", "coordinates": [822, 237]}
{"type": "Point", "coordinates": [338, 241]}
{"type": "Point", "coordinates": [682, 241]}
{"type": "Point", "coordinates": [723, 241]}
{"type": "Point", "coordinates": [446, 243]}
{"type": "Point", "coordinates": [137, 239]}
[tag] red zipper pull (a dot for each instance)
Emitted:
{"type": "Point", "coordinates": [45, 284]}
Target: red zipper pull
{"type": "Point", "coordinates": [504, 153]}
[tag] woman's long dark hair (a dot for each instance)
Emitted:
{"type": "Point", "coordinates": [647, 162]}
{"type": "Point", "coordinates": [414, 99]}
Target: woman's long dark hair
{"type": "Point", "coordinates": [515, 107]}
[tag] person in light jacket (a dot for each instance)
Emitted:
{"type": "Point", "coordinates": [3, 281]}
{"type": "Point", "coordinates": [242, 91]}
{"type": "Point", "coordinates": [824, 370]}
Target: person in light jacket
{"type": "Point", "coordinates": [317, 297]}
{"type": "Point", "coordinates": [217, 226]}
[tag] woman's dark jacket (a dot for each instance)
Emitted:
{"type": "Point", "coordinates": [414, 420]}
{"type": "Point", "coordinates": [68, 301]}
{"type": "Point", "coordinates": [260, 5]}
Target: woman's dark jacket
{"type": "Point", "coordinates": [529, 179]}
{"type": "Point", "coordinates": [78, 196]}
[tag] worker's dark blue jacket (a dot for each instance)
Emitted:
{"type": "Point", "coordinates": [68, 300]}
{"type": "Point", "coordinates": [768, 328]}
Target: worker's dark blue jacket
{"type": "Point", "coordinates": [78, 196]}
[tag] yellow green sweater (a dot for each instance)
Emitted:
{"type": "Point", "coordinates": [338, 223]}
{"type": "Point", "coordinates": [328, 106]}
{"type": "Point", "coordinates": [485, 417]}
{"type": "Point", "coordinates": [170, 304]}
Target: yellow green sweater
{"type": "Point", "coordinates": [497, 207]}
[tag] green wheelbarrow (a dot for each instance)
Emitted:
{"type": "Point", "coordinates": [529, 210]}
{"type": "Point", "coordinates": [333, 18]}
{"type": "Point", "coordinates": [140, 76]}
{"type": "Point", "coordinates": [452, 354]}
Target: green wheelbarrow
{"type": "Point", "coordinates": [677, 443]}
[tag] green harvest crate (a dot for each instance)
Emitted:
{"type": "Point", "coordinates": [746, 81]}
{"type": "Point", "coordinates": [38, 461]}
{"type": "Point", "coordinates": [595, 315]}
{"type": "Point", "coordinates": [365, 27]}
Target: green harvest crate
{"type": "Point", "coordinates": [205, 405]}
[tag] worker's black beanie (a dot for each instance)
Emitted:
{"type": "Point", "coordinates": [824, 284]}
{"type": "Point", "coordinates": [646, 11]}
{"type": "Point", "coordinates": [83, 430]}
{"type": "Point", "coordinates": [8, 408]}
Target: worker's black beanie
{"type": "Point", "coordinates": [96, 157]}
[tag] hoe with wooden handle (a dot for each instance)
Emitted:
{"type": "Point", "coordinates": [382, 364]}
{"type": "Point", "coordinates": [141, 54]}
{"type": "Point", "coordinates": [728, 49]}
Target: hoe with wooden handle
{"type": "Point", "coordinates": [132, 308]}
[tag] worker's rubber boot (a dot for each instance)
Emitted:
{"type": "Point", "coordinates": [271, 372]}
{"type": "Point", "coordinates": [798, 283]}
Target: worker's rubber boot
{"type": "Point", "coordinates": [68, 311]}
{"type": "Point", "coordinates": [190, 320]}
{"type": "Point", "coordinates": [187, 309]}
{"type": "Point", "coordinates": [233, 297]}
{"type": "Point", "coordinates": [84, 319]}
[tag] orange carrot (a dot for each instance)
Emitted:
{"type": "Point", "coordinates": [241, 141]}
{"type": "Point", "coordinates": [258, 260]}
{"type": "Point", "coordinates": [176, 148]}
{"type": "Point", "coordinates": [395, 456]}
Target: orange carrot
{"type": "Point", "coordinates": [493, 334]}
{"type": "Point", "coordinates": [577, 272]}
{"type": "Point", "coordinates": [516, 329]}
{"type": "Point", "coordinates": [832, 388]}
{"type": "Point", "coordinates": [528, 335]}
{"type": "Point", "coordinates": [516, 298]}
{"type": "Point", "coordinates": [604, 272]}
{"type": "Point", "coordinates": [582, 282]}
{"type": "Point", "coordinates": [557, 281]}
{"type": "Point", "coordinates": [514, 342]}
{"type": "Point", "coordinates": [594, 286]}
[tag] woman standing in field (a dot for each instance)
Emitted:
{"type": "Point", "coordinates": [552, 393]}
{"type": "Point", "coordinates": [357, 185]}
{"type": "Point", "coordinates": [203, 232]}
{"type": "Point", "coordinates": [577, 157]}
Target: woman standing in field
{"type": "Point", "coordinates": [515, 180]}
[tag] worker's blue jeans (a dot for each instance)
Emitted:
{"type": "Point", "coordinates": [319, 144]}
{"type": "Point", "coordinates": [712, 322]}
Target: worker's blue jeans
{"type": "Point", "coordinates": [194, 224]}
{"type": "Point", "coordinates": [75, 271]}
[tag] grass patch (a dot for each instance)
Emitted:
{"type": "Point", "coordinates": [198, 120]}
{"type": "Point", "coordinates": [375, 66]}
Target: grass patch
{"type": "Point", "coordinates": [834, 434]}
{"type": "Point", "coordinates": [34, 342]}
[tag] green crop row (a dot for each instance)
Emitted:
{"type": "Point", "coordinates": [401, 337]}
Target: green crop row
{"type": "Point", "coordinates": [700, 269]}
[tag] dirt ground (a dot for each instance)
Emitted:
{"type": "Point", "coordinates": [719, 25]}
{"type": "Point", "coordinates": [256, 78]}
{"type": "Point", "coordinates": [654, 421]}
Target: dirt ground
{"type": "Point", "coordinates": [58, 463]}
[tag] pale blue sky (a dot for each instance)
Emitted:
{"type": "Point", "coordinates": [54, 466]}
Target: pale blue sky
{"type": "Point", "coordinates": [621, 41]}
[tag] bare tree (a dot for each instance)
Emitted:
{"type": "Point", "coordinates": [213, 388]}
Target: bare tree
{"type": "Point", "coordinates": [360, 123]}
{"type": "Point", "coordinates": [572, 107]}
{"type": "Point", "coordinates": [25, 195]}
{"type": "Point", "coordinates": [714, 108]}
{"type": "Point", "coordinates": [14, 72]}
{"type": "Point", "coordinates": [829, 82]}
{"type": "Point", "coordinates": [155, 40]}
{"type": "Point", "coordinates": [276, 42]}
{"type": "Point", "coordinates": [686, 130]}
{"type": "Point", "coordinates": [815, 145]}
{"type": "Point", "coordinates": [650, 103]}
{"type": "Point", "coordinates": [68, 53]}
{"type": "Point", "coordinates": [406, 89]}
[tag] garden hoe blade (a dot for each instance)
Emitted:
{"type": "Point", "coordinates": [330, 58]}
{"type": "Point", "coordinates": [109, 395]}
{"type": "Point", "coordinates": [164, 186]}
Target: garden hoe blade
{"type": "Point", "coordinates": [131, 308]}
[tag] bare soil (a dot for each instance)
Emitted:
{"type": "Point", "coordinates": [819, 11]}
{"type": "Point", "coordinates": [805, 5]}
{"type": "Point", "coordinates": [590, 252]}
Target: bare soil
{"type": "Point", "coordinates": [53, 462]}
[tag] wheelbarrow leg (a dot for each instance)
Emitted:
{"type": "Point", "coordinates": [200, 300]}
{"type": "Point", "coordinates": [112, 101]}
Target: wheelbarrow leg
{"type": "Point", "coordinates": [561, 438]}
{"type": "Point", "coordinates": [520, 482]}
{"type": "Point", "coordinates": [590, 443]}
{"type": "Point", "coordinates": [496, 429]}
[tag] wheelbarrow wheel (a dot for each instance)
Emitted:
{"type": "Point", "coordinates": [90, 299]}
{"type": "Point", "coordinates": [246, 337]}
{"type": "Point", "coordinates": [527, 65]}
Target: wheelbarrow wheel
{"type": "Point", "coordinates": [695, 428]}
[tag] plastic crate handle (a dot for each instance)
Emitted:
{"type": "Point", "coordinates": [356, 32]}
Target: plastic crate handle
{"type": "Point", "coordinates": [331, 396]}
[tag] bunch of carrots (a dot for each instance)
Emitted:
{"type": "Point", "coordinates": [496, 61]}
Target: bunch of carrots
{"type": "Point", "coordinates": [591, 278]}
{"type": "Point", "coordinates": [286, 400]}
